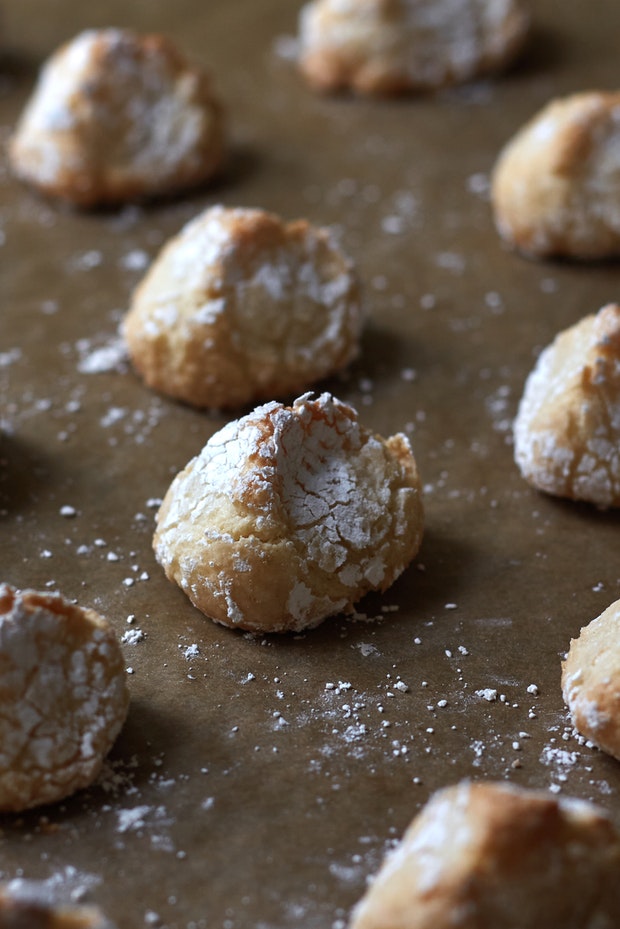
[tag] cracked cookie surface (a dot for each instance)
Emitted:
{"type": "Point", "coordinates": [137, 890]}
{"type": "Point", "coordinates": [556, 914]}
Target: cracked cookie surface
{"type": "Point", "coordinates": [115, 117]}
{"type": "Point", "coordinates": [290, 515]}
{"type": "Point", "coordinates": [242, 307]}
{"type": "Point", "coordinates": [567, 429]}
{"type": "Point", "coordinates": [63, 697]}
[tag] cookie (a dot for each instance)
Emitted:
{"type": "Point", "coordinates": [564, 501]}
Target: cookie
{"type": "Point", "coordinates": [290, 515]}
{"type": "Point", "coordinates": [32, 905]}
{"type": "Point", "coordinates": [241, 307]}
{"type": "Point", "coordinates": [591, 681]}
{"type": "Point", "coordinates": [556, 185]}
{"type": "Point", "coordinates": [386, 47]}
{"type": "Point", "coordinates": [493, 856]}
{"type": "Point", "coordinates": [117, 117]}
{"type": "Point", "coordinates": [63, 693]}
{"type": "Point", "coordinates": [567, 429]}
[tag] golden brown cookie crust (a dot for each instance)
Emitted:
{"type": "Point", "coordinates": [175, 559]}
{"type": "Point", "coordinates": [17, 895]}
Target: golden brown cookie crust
{"type": "Point", "coordinates": [117, 117]}
{"type": "Point", "coordinates": [242, 307]}
{"type": "Point", "coordinates": [493, 856]}
{"type": "Point", "coordinates": [290, 515]}
{"type": "Point", "coordinates": [556, 187]}
{"type": "Point", "coordinates": [63, 695]}
{"type": "Point", "coordinates": [591, 680]}
{"type": "Point", "coordinates": [567, 429]}
{"type": "Point", "coordinates": [386, 47]}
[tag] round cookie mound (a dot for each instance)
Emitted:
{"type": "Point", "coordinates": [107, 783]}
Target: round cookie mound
{"type": "Point", "coordinates": [63, 695]}
{"type": "Point", "coordinates": [386, 47]}
{"type": "Point", "coordinates": [290, 515]}
{"type": "Point", "coordinates": [241, 307]}
{"type": "Point", "coordinates": [115, 117]}
{"type": "Point", "coordinates": [567, 429]}
{"type": "Point", "coordinates": [556, 185]}
{"type": "Point", "coordinates": [493, 856]}
{"type": "Point", "coordinates": [591, 680]}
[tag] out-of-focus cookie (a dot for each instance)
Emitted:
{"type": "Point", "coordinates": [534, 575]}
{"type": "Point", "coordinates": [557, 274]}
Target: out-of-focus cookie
{"type": "Point", "coordinates": [493, 856]}
{"type": "Point", "coordinates": [556, 184]}
{"type": "Point", "coordinates": [115, 117]}
{"type": "Point", "coordinates": [386, 47]}
{"type": "Point", "coordinates": [242, 307]}
{"type": "Point", "coordinates": [567, 429]}
{"type": "Point", "coordinates": [290, 515]}
{"type": "Point", "coordinates": [32, 905]}
{"type": "Point", "coordinates": [591, 680]}
{"type": "Point", "coordinates": [63, 694]}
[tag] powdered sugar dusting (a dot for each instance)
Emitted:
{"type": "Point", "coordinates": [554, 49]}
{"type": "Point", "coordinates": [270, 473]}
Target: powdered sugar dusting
{"type": "Point", "coordinates": [110, 84]}
{"type": "Point", "coordinates": [65, 697]}
{"type": "Point", "coordinates": [311, 471]}
{"type": "Point", "coordinates": [568, 424]}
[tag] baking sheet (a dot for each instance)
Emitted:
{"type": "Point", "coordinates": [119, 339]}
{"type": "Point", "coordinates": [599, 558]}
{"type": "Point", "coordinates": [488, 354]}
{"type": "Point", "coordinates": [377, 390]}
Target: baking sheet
{"type": "Point", "coordinates": [259, 781]}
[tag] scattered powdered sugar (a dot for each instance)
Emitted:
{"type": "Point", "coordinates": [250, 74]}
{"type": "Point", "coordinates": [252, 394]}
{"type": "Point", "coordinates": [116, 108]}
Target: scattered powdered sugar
{"type": "Point", "coordinates": [498, 407]}
{"type": "Point", "coordinates": [560, 761]}
{"type": "Point", "coordinates": [68, 511]}
{"type": "Point", "coordinates": [135, 260]}
{"type": "Point", "coordinates": [487, 693]}
{"type": "Point", "coordinates": [103, 358]}
{"type": "Point", "coordinates": [152, 821]}
{"type": "Point", "coordinates": [66, 885]}
{"type": "Point", "coordinates": [480, 185]}
{"type": "Point", "coordinates": [85, 261]}
{"type": "Point", "coordinates": [367, 649]}
{"type": "Point", "coordinates": [286, 47]}
{"type": "Point", "coordinates": [134, 818]}
{"type": "Point", "coordinates": [9, 357]}
{"type": "Point", "coordinates": [133, 637]}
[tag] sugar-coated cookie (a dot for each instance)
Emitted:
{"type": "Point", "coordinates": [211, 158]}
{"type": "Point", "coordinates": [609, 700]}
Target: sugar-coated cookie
{"type": "Point", "coordinates": [385, 47]}
{"type": "Point", "coordinates": [290, 515]}
{"type": "Point", "coordinates": [591, 680]}
{"type": "Point", "coordinates": [493, 856]}
{"type": "Point", "coordinates": [242, 307]}
{"type": "Point", "coordinates": [33, 905]}
{"type": "Point", "coordinates": [556, 184]}
{"type": "Point", "coordinates": [115, 117]}
{"type": "Point", "coordinates": [63, 694]}
{"type": "Point", "coordinates": [567, 429]}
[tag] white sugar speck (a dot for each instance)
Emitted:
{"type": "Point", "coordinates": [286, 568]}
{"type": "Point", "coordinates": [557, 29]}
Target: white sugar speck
{"type": "Point", "coordinates": [132, 637]}
{"type": "Point", "coordinates": [110, 357]}
{"type": "Point", "coordinates": [488, 693]}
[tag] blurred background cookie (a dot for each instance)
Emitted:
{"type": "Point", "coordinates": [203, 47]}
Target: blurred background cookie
{"type": "Point", "coordinates": [63, 693]}
{"type": "Point", "coordinates": [567, 429]}
{"type": "Point", "coordinates": [241, 306]}
{"type": "Point", "coordinates": [117, 116]}
{"type": "Point", "coordinates": [394, 46]}
{"type": "Point", "coordinates": [556, 184]}
{"type": "Point", "coordinates": [494, 855]}
{"type": "Point", "coordinates": [290, 515]}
